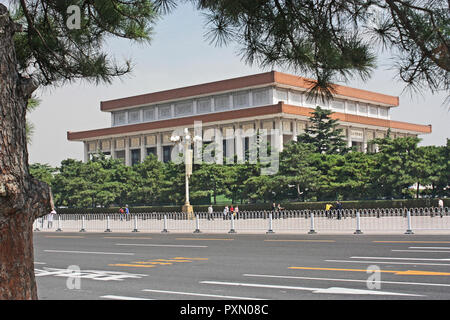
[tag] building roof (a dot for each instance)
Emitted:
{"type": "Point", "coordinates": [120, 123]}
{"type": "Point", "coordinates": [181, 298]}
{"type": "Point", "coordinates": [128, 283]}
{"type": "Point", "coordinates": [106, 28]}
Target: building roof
{"type": "Point", "coordinates": [280, 108]}
{"type": "Point", "coordinates": [268, 78]}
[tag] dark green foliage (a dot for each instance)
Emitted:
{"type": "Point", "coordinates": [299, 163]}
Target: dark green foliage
{"type": "Point", "coordinates": [304, 175]}
{"type": "Point", "coordinates": [323, 133]}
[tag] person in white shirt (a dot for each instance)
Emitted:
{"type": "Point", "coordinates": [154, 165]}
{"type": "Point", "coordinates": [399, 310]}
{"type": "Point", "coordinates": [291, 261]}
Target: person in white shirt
{"type": "Point", "coordinates": [441, 207]}
{"type": "Point", "coordinates": [225, 212]}
{"type": "Point", "coordinates": [210, 213]}
{"type": "Point", "coordinates": [50, 218]}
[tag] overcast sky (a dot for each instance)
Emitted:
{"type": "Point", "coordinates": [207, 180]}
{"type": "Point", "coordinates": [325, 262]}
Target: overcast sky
{"type": "Point", "coordinates": [180, 56]}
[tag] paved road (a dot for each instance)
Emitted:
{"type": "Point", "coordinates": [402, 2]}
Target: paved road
{"type": "Point", "coordinates": [212, 266]}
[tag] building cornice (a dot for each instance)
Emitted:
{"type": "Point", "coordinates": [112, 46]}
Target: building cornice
{"type": "Point", "coordinates": [218, 87]}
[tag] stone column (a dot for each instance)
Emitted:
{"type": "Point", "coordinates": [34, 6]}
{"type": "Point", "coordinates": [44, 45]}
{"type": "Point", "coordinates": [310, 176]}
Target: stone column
{"type": "Point", "coordinates": [218, 140]}
{"type": "Point", "coordinates": [127, 152]}
{"type": "Point", "coordinates": [279, 135]}
{"type": "Point", "coordinates": [294, 130]}
{"type": "Point", "coordinates": [86, 151]}
{"type": "Point", "coordinates": [159, 151]}
{"type": "Point", "coordinates": [239, 148]}
{"type": "Point", "coordinates": [113, 148]}
{"type": "Point", "coordinates": [143, 150]}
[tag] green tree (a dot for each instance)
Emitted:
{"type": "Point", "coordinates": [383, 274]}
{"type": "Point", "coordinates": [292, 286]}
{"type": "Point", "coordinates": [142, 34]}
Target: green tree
{"type": "Point", "coordinates": [208, 179]}
{"type": "Point", "coordinates": [43, 172]}
{"type": "Point", "coordinates": [352, 176]}
{"type": "Point", "coordinates": [323, 133]}
{"type": "Point", "coordinates": [146, 188]}
{"type": "Point", "coordinates": [297, 169]}
{"type": "Point", "coordinates": [396, 165]}
{"type": "Point", "coordinates": [338, 40]}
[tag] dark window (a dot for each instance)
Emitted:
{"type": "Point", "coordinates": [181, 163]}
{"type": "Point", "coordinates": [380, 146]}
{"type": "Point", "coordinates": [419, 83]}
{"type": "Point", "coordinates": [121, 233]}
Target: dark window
{"type": "Point", "coordinates": [224, 148]}
{"type": "Point", "coordinates": [358, 146]}
{"type": "Point", "coordinates": [246, 148]}
{"type": "Point", "coordinates": [167, 150]}
{"type": "Point", "coordinates": [135, 156]}
{"type": "Point", "coordinates": [151, 150]}
{"type": "Point", "coordinates": [120, 155]}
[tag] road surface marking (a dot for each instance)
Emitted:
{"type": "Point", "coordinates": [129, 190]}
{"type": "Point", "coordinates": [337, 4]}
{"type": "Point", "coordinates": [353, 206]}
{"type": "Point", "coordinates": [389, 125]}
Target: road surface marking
{"type": "Point", "coordinates": [191, 258]}
{"type": "Point", "coordinates": [122, 298]}
{"type": "Point", "coordinates": [411, 241]}
{"type": "Point", "coordinates": [201, 294]}
{"type": "Point", "coordinates": [68, 237]}
{"type": "Point", "coordinates": [335, 290]}
{"type": "Point", "coordinates": [397, 272]}
{"type": "Point", "coordinates": [292, 240]}
{"type": "Point", "coordinates": [159, 245]}
{"type": "Point", "coordinates": [394, 258]}
{"type": "Point", "coordinates": [88, 274]}
{"type": "Point", "coordinates": [39, 262]}
{"type": "Point", "coordinates": [154, 262]}
{"type": "Point", "coordinates": [92, 252]}
{"type": "Point", "coordinates": [131, 265]}
{"type": "Point", "coordinates": [346, 280]}
{"type": "Point", "coordinates": [421, 251]}
{"type": "Point", "coordinates": [430, 248]}
{"type": "Point", "coordinates": [146, 238]}
{"type": "Point", "coordinates": [212, 239]}
{"type": "Point", "coordinates": [391, 262]}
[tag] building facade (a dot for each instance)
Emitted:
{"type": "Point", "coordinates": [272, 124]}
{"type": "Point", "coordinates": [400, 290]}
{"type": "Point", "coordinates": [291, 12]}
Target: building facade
{"type": "Point", "coordinates": [229, 109]}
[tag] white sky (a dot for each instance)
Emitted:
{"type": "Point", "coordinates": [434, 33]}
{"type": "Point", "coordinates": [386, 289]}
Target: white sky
{"type": "Point", "coordinates": [180, 56]}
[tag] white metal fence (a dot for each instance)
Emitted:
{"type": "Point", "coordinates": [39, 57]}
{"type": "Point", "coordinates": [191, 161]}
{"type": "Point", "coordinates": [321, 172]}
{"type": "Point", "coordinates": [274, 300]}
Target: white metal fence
{"type": "Point", "coordinates": [396, 220]}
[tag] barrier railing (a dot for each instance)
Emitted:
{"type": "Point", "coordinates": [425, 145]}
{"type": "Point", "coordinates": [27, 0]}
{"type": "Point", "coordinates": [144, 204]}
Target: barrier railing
{"type": "Point", "coordinates": [288, 221]}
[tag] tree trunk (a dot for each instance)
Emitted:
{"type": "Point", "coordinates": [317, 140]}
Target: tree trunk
{"type": "Point", "coordinates": [22, 198]}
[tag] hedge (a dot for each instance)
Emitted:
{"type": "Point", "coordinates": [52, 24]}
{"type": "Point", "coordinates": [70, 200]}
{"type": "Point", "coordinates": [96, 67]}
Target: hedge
{"type": "Point", "coordinates": [356, 204]}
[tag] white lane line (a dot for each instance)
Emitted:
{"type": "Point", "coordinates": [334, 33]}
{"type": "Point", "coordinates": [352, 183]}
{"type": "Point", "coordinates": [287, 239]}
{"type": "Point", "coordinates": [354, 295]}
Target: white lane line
{"type": "Point", "coordinates": [346, 280]}
{"type": "Point", "coordinates": [395, 258]}
{"type": "Point", "coordinates": [446, 248]}
{"type": "Point", "coordinates": [201, 294]}
{"type": "Point", "coordinates": [159, 245]}
{"type": "Point", "coordinates": [391, 262]}
{"type": "Point", "coordinates": [39, 262]}
{"type": "Point", "coordinates": [333, 290]}
{"type": "Point", "coordinates": [91, 252]}
{"type": "Point", "coordinates": [113, 297]}
{"type": "Point", "coordinates": [421, 251]}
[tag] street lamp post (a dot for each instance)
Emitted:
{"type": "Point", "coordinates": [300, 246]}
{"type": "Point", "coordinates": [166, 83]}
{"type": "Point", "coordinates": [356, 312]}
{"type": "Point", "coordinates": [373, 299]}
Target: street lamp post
{"type": "Point", "coordinates": [186, 139]}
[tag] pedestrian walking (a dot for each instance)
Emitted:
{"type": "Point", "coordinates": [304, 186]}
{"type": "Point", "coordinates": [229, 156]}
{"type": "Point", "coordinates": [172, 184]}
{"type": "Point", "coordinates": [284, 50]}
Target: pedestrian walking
{"type": "Point", "coordinates": [328, 207]}
{"type": "Point", "coordinates": [210, 213]}
{"type": "Point", "coordinates": [279, 209]}
{"type": "Point", "coordinates": [231, 211]}
{"type": "Point", "coordinates": [236, 212]}
{"type": "Point", "coordinates": [339, 210]}
{"type": "Point", "coordinates": [274, 210]}
{"type": "Point", "coordinates": [50, 218]}
{"type": "Point", "coordinates": [441, 206]}
{"type": "Point", "coordinates": [127, 213]}
{"type": "Point", "coordinates": [225, 212]}
{"type": "Point", "coordinates": [121, 213]}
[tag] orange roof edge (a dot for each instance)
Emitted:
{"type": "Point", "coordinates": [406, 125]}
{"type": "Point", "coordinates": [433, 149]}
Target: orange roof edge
{"type": "Point", "coordinates": [293, 80]}
{"type": "Point", "coordinates": [241, 82]}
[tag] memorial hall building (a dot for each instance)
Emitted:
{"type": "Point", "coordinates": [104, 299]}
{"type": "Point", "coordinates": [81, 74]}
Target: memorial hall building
{"type": "Point", "coordinates": [143, 124]}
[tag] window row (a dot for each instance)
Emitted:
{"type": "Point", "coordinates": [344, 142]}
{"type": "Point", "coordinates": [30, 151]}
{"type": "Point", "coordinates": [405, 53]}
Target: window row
{"type": "Point", "coordinates": [242, 99]}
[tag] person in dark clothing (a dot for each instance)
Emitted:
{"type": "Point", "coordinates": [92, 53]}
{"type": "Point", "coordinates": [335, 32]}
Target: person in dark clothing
{"type": "Point", "coordinates": [339, 210]}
